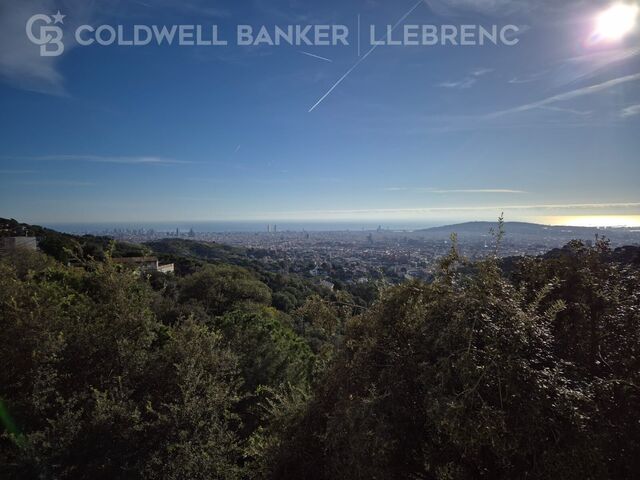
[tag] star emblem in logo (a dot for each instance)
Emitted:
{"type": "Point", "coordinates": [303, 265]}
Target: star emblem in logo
{"type": "Point", "coordinates": [58, 18]}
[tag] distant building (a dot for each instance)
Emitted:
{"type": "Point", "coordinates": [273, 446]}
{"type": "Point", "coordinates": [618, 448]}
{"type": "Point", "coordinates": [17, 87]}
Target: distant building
{"type": "Point", "coordinates": [166, 268]}
{"type": "Point", "coordinates": [326, 284]}
{"type": "Point", "coordinates": [10, 244]}
{"type": "Point", "coordinates": [145, 264]}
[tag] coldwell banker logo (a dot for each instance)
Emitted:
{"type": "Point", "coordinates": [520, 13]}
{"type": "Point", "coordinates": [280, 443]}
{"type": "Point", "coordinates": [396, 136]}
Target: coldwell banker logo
{"type": "Point", "coordinates": [49, 37]}
{"type": "Point", "coordinates": [43, 30]}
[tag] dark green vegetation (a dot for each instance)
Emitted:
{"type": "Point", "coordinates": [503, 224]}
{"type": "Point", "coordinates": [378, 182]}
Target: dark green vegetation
{"type": "Point", "coordinates": [288, 291]}
{"type": "Point", "coordinates": [70, 248]}
{"type": "Point", "coordinates": [189, 255]}
{"type": "Point", "coordinates": [478, 376]}
{"type": "Point", "coordinates": [534, 373]}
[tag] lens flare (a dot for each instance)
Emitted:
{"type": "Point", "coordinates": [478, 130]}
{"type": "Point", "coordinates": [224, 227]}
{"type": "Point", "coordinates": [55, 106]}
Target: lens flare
{"type": "Point", "coordinates": [615, 23]}
{"type": "Point", "coordinates": [630, 221]}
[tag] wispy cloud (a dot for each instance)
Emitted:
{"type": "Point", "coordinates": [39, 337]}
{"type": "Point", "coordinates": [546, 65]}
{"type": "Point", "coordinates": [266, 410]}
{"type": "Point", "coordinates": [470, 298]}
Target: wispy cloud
{"type": "Point", "coordinates": [462, 84]}
{"type": "Point", "coordinates": [479, 72]}
{"type": "Point", "coordinates": [21, 65]}
{"type": "Point", "coordinates": [425, 211]}
{"type": "Point", "coordinates": [56, 183]}
{"type": "Point", "coordinates": [20, 62]}
{"type": "Point", "coordinates": [468, 81]}
{"type": "Point", "coordinates": [578, 68]}
{"type": "Point", "coordinates": [201, 8]}
{"type": "Point", "coordinates": [528, 78]}
{"type": "Point", "coordinates": [630, 111]}
{"type": "Point", "coordinates": [125, 160]}
{"type": "Point", "coordinates": [585, 67]}
{"type": "Point", "coordinates": [443, 191]}
{"type": "Point", "coordinates": [494, 7]}
{"type": "Point", "coordinates": [196, 7]}
{"type": "Point", "coordinates": [499, 8]}
{"type": "Point", "coordinates": [564, 97]}
{"type": "Point", "coordinates": [17, 172]}
{"type": "Point", "coordinates": [583, 113]}
{"type": "Point", "coordinates": [479, 191]}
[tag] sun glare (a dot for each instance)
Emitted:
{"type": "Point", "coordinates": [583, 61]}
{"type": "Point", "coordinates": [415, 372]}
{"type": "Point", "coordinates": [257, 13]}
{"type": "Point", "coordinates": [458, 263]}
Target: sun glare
{"type": "Point", "coordinates": [599, 221]}
{"type": "Point", "coordinates": [616, 22]}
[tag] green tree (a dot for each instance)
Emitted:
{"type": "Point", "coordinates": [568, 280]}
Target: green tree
{"type": "Point", "coordinates": [93, 386]}
{"type": "Point", "coordinates": [270, 352]}
{"type": "Point", "coordinates": [222, 288]}
{"type": "Point", "coordinates": [453, 380]}
{"type": "Point", "coordinates": [599, 333]}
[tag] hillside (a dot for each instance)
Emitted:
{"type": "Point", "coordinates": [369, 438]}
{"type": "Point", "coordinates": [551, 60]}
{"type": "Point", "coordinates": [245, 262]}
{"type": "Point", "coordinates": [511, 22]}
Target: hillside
{"type": "Point", "coordinates": [65, 247]}
{"type": "Point", "coordinates": [480, 228]}
{"type": "Point", "coordinates": [189, 254]}
{"type": "Point", "coordinates": [532, 232]}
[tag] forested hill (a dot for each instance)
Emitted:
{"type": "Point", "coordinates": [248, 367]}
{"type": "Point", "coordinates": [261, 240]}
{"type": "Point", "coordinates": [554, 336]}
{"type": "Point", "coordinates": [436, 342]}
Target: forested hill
{"type": "Point", "coordinates": [189, 254]}
{"type": "Point", "coordinates": [65, 247]}
{"type": "Point", "coordinates": [481, 228]}
{"type": "Point", "coordinates": [519, 232]}
{"type": "Point", "coordinates": [288, 291]}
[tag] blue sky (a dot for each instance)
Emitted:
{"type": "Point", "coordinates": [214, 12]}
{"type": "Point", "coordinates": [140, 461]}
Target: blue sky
{"type": "Point", "coordinates": [546, 128]}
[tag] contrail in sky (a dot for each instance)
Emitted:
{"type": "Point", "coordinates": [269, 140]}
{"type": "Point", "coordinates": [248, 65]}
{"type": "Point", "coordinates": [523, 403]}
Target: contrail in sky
{"type": "Point", "coordinates": [563, 97]}
{"type": "Point", "coordinates": [363, 58]}
{"type": "Point", "coordinates": [316, 56]}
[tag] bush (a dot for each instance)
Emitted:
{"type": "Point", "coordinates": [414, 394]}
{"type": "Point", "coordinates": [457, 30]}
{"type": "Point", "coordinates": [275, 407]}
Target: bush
{"type": "Point", "coordinates": [93, 386]}
{"type": "Point", "coordinates": [222, 288]}
{"type": "Point", "coordinates": [458, 379]}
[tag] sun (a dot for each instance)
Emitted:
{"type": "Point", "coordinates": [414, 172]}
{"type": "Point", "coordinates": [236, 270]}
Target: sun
{"type": "Point", "coordinates": [616, 22]}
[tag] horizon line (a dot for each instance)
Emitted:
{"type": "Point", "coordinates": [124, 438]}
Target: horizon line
{"type": "Point", "coordinates": [384, 223]}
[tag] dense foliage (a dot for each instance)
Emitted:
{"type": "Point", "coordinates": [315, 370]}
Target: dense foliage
{"type": "Point", "coordinates": [230, 373]}
{"type": "Point", "coordinates": [94, 386]}
{"type": "Point", "coordinates": [70, 248]}
{"type": "Point", "coordinates": [475, 376]}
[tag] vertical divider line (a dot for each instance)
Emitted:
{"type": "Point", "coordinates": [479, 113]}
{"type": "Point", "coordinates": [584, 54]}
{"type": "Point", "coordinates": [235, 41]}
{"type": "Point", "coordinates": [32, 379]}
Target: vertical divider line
{"type": "Point", "coordinates": [359, 51]}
